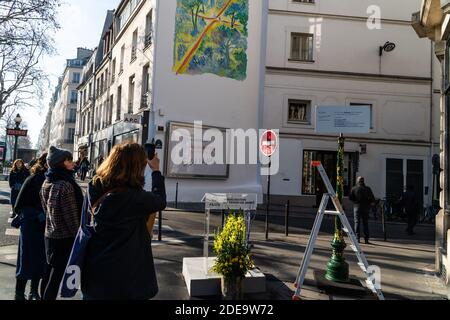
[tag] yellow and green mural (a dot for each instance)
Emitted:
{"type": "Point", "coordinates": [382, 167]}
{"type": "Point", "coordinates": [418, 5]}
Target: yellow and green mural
{"type": "Point", "coordinates": [211, 37]}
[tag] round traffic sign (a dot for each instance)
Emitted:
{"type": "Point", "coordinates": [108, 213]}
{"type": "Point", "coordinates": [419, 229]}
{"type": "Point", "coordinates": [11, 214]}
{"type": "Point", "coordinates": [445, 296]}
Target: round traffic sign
{"type": "Point", "coordinates": [268, 143]}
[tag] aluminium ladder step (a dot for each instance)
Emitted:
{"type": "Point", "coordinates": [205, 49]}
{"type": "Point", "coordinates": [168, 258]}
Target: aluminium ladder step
{"type": "Point", "coordinates": [362, 261]}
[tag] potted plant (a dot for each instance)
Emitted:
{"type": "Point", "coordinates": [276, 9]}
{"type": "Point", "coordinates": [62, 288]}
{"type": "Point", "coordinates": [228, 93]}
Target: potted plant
{"type": "Point", "coordinates": [233, 256]}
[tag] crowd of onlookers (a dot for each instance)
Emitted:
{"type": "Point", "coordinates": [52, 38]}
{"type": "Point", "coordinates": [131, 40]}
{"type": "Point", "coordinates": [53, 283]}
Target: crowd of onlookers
{"type": "Point", "coordinates": [48, 205]}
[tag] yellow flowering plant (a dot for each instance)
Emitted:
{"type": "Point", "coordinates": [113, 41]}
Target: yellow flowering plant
{"type": "Point", "coordinates": [233, 256]}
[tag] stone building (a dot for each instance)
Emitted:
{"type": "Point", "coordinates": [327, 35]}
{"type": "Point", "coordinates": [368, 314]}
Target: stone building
{"type": "Point", "coordinates": [326, 53]}
{"type": "Point", "coordinates": [432, 22]}
{"type": "Point", "coordinates": [64, 111]}
{"type": "Point", "coordinates": [115, 82]}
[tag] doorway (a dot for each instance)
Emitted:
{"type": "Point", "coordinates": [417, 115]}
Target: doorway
{"type": "Point", "coordinates": [401, 173]}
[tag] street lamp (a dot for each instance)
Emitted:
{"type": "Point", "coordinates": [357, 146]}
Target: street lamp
{"type": "Point", "coordinates": [18, 121]}
{"type": "Point", "coordinates": [388, 47]}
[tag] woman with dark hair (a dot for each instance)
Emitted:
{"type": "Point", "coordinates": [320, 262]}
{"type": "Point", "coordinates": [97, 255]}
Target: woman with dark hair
{"type": "Point", "coordinates": [119, 263]}
{"type": "Point", "coordinates": [62, 200]}
{"type": "Point", "coordinates": [17, 177]}
{"type": "Point", "coordinates": [31, 255]}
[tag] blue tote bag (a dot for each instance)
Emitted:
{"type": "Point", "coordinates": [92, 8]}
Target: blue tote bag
{"type": "Point", "coordinates": [72, 277]}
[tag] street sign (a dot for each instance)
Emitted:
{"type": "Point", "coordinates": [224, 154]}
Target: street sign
{"type": "Point", "coordinates": [342, 119]}
{"type": "Point", "coordinates": [132, 118]}
{"type": "Point", "coordinates": [268, 143]}
{"type": "Point", "coordinates": [17, 132]}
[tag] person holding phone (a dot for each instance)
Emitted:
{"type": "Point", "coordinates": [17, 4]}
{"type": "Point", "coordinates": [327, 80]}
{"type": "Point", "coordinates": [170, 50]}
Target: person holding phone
{"type": "Point", "coordinates": [119, 262]}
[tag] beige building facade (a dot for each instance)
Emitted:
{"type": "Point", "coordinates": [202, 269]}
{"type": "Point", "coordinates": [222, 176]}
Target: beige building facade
{"type": "Point", "coordinates": [116, 82]}
{"type": "Point", "coordinates": [432, 22]}
{"type": "Point", "coordinates": [64, 110]}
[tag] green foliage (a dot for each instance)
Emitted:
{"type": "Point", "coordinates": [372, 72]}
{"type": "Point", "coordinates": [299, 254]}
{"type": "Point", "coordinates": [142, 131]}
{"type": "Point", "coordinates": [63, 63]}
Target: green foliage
{"type": "Point", "coordinates": [233, 256]}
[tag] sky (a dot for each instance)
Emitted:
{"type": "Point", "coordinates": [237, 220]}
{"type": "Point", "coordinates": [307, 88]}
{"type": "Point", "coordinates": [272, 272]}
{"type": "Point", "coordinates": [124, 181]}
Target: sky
{"type": "Point", "coordinates": [81, 25]}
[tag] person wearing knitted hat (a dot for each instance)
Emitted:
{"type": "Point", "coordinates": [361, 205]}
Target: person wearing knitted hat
{"type": "Point", "coordinates": [62, 201]}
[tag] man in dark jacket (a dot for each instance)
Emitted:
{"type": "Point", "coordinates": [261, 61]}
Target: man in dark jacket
{"type": "Point", "coordinates": [410, 204]}
{"type": "Point", "coordinates": [362, 197]}
{"type": "Point", "coordinates": [31, 260]}
{"type": "Point", "coordinates": [84, 167]}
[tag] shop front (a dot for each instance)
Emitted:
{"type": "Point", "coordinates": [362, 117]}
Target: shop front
{"type": "Point", "coordinates": [311, 181]}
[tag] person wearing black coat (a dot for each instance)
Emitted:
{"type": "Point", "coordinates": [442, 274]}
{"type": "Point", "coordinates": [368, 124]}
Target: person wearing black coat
{"type": "Point", "coordinates": [17, 177]}
{"type": "Point", "coordinates": [84, 167]}
{"type": "Point", "coordinates": [362, 198]}
{"type": "Point", "coordinates": [410, 204]}
{"type": "Point", "coordinates": [118, 263]}
{"type": "Point", "coordinates": [31, 254]}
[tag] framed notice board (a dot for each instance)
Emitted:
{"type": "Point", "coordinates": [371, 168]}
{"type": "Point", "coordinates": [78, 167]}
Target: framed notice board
{"type": "Point", "coordinates": [216, 171]}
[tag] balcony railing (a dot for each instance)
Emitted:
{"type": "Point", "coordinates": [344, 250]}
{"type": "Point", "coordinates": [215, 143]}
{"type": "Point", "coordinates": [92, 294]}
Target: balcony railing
{"type": "Point", "coordinates": [133, 53]}
{"type": "Point", "coordinates": [69, 141]}
{"type": "Point", "coordinates": [71, 120]}
{"type": "Point", "coordinates": [148, 39]}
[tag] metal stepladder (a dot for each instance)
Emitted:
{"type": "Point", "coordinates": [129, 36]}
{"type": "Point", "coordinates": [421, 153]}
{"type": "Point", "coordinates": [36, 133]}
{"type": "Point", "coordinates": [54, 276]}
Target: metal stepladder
{"type": "Point", "coordinates": [362, 261]}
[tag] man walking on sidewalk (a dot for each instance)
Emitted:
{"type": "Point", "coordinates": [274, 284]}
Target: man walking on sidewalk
{"type": "Point", "coordinates": [410, 204]}
{"type": "Point", "coordinates": [362, 198]}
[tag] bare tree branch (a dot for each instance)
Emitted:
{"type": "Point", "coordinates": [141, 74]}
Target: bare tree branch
{"type": "Point", "coordinates": [26, 27]}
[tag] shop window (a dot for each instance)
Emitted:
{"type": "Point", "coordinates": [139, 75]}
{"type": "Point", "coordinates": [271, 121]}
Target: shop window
{"type": "Point", "coordinates": [312, 182]}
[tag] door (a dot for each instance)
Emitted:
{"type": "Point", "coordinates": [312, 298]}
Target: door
{"type": "Point", "coordinates": [401, 173]}
{"type": "Point", "coordinates": [414, 178]}
{"type": "Point", "coordinates": [394, 178]}
{"type": "Point", "coordinates": [328, 159]}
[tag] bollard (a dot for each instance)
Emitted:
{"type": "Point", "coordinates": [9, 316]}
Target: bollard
{"type": "Point", "coordinates": [286, 218]}
{"type": "Point", "coordinates": [176, 197]}
{"type": "Point", "coordinates": [160, 226]}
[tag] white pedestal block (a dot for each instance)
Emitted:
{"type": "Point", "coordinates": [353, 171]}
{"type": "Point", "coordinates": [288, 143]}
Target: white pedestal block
{"type": "Point", "coordinates": [200, 282]}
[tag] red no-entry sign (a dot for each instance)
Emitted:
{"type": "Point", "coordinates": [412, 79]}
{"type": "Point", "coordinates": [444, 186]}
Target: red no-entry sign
{"type": "Point", "coordinates": [268, 143]}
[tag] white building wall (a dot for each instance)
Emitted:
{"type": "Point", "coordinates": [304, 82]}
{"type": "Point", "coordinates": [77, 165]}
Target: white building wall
{"type": "Point", "coordinates": [216, 101]}
{"type": "Point", "coordinates": [144, 56]}
{"type": "Point", "coordinates": [390, 10]}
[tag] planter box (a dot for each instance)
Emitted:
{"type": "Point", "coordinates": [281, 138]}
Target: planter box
{"type": "Point", "coordinates": [199, 282]}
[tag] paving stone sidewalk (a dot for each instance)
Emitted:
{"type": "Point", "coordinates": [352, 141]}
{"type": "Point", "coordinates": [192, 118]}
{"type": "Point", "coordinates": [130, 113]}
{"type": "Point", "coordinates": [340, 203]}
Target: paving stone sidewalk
{"type": "Point", "coordinates": [406, 264]}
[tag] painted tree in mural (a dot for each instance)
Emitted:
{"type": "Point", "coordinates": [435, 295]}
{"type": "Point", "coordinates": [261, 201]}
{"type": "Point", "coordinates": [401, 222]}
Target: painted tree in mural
{"type": "Point", "coordinates": [211, 37]}
{"type": "Point", "coordinates": [194, 7]}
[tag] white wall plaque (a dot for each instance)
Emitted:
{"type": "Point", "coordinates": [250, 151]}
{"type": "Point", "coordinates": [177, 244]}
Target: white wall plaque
{"type": "Point", "coordinates": [342, 119]}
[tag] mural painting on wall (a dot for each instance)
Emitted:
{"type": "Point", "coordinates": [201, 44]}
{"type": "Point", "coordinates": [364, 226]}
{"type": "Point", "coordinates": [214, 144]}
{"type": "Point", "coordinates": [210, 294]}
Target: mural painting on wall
{"type": "Point", "coordinates": [211, 37]}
